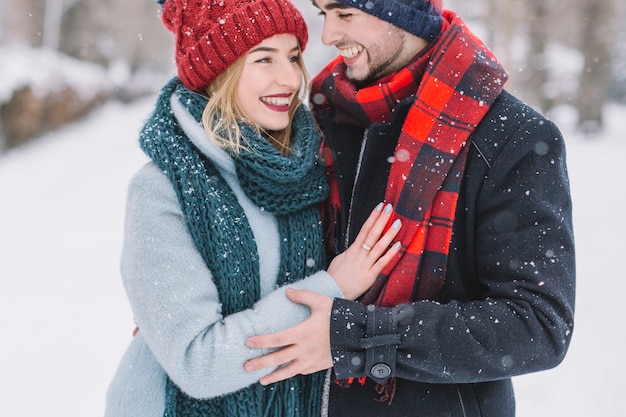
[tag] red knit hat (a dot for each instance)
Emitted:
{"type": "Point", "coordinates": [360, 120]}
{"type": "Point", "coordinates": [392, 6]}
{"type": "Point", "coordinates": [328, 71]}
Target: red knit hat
{"type": "Point", "coordinates": [212, 34]}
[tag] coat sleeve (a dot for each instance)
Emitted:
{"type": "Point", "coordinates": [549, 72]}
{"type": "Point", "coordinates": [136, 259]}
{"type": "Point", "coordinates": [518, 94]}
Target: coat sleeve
{"type": "Point", "coordinates": [524, 264]}
{"type": "Point", "coordinates": [176, 304]}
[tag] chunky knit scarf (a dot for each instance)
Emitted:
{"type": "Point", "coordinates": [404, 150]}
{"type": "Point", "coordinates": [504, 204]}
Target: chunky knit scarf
{"type": "Point", "coordinates": [289, 187]}
{"type": "Point", "coordinates": [454, 83]}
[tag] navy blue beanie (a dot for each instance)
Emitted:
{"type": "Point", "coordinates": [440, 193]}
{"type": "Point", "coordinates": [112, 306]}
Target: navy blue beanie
{"type": "Point", "coordinates": [421, 18]}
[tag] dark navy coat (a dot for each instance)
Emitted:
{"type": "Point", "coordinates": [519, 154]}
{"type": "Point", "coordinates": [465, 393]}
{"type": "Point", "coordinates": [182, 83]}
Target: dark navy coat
{"type": "Point", "coordinates": [507, 304]}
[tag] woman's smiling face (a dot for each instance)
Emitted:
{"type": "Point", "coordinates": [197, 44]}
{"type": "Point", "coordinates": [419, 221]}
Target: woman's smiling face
{"type": "Point", "coordinates": [270, 80]}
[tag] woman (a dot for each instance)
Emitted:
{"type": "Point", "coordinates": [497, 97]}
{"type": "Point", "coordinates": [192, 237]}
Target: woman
{"type": "Point", "coordinates": [226, 216]}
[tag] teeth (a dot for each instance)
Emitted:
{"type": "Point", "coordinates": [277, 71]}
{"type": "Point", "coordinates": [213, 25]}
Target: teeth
{"type": "Point", "coordinates": [351, 52]}
{"type": "Point", "coordinates": [276, 101]}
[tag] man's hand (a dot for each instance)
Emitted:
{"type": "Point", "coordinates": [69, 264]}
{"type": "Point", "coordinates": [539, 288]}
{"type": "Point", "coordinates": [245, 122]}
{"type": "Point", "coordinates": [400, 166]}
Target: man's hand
{"type": "Point", "coordinates": [304, 348]}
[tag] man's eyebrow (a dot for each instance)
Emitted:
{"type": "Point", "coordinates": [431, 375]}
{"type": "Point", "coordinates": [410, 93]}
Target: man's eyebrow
{"type": "Point", "coordinates": [332, 6]}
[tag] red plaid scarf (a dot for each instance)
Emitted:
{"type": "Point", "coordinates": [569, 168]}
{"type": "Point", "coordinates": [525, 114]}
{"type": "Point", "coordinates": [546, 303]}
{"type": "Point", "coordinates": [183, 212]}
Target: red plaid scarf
{"type": "Point", "coordinates": [456, 82]}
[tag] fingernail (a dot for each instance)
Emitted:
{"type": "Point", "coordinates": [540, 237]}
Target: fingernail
{"type": "Point", "coordinates": [248, 368]}
{"type": "Point", "coordinates": [396, 245]}
{"type": "Point", "coordinates": [396, 224]}
{"type": "Point", "coordinates": [388, 208]}
{"type": "Point", "coordinates": [379, 207]}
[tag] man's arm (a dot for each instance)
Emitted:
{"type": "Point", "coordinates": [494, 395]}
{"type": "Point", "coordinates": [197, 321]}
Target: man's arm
{"type": "Point", "coordinates": [303, 349]}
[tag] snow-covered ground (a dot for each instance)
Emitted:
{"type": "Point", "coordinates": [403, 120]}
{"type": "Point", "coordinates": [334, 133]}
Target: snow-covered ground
{"type": "Point", "coordinates": [65, 320]}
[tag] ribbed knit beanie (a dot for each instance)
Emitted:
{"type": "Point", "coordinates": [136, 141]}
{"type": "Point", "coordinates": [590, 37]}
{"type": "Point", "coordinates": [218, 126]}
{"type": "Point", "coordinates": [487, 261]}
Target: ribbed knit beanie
{"type": "Point", "coordinates": [212, 34]}
{"type": "Point", "coordinates": [422, 18]}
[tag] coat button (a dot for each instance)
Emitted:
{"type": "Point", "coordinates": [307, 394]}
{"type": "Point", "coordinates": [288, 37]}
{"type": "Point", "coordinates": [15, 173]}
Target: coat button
{"type": "Point", "coordinates": [380, 371]}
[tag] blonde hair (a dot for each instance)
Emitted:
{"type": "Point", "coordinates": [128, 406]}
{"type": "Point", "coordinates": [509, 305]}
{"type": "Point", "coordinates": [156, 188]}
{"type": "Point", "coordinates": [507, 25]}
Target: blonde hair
{"type": "Point", "coordinates": [222, 112]}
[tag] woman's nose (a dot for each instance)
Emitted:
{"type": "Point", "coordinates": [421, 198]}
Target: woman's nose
{"type": "Point", "coordinates": [290, 75]}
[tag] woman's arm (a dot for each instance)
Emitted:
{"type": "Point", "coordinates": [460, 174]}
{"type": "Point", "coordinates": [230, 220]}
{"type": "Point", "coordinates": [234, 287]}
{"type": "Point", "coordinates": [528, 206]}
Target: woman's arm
{"type": "Point", "coordinates": [176, 304]}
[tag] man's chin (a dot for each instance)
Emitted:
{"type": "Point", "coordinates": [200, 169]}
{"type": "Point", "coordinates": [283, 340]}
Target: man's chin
{"type": "Point", "coordinates": [360, 81]}
{"type": "Point", "coordinates": [357, 78]}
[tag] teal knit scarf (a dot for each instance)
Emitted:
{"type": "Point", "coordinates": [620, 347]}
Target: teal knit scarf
{"type": "Point", "coordinates": [290, 187]}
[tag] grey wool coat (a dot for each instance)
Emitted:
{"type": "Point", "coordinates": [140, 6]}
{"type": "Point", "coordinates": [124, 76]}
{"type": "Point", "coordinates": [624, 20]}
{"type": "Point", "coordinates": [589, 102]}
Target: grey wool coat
{"type": "Point", "coordinates": [202, 351]}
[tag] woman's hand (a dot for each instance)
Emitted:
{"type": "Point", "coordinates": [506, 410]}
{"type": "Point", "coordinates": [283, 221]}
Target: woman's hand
{"type": "Point", "coordinates": [305, 348]}
{"type": "Point", "coordinates": [356, 269]}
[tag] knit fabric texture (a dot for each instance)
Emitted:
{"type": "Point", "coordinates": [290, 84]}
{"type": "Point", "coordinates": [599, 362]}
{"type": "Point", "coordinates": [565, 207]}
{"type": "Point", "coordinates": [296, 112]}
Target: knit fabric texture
{"type": "Point", "coordinates": [212, 34]}
{"type": "Point", "coordinates": [291, 187]}
{"type": "Point", "coordinates": [421, 18]}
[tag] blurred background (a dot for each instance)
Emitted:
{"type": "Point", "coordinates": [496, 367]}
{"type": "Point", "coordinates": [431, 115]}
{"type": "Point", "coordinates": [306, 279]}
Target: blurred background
{"type": "Point", "coordinates": [77, 79]}
{"type": "Point", "coordinates": [82, 53]}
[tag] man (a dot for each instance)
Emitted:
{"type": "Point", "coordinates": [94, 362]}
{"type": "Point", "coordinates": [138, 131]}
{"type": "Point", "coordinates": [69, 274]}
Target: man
{"type": "Point", "coordinates": [415, 114]}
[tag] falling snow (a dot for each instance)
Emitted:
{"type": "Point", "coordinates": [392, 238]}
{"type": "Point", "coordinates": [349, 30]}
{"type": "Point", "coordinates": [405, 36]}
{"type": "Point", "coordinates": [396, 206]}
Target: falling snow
{"type": "Point", "coordinates": [65, 317]}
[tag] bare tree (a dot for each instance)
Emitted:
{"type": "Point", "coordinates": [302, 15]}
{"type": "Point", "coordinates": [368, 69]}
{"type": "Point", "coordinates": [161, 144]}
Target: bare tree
{"type": "Point", "coordinates": [598, 27]}
{"type": "Point", "coordinates": [127, 39]}
{"type": "Point", "coordinates": [516, 31]}
{"type": "Point", "coordinates": [117, 31]}
{"type": "Point", "coordinates": [538, 21]}
{"type": "Point", "coordinates": [504, 29]}
{"type": "Point", "coordinates": [91, 30]}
